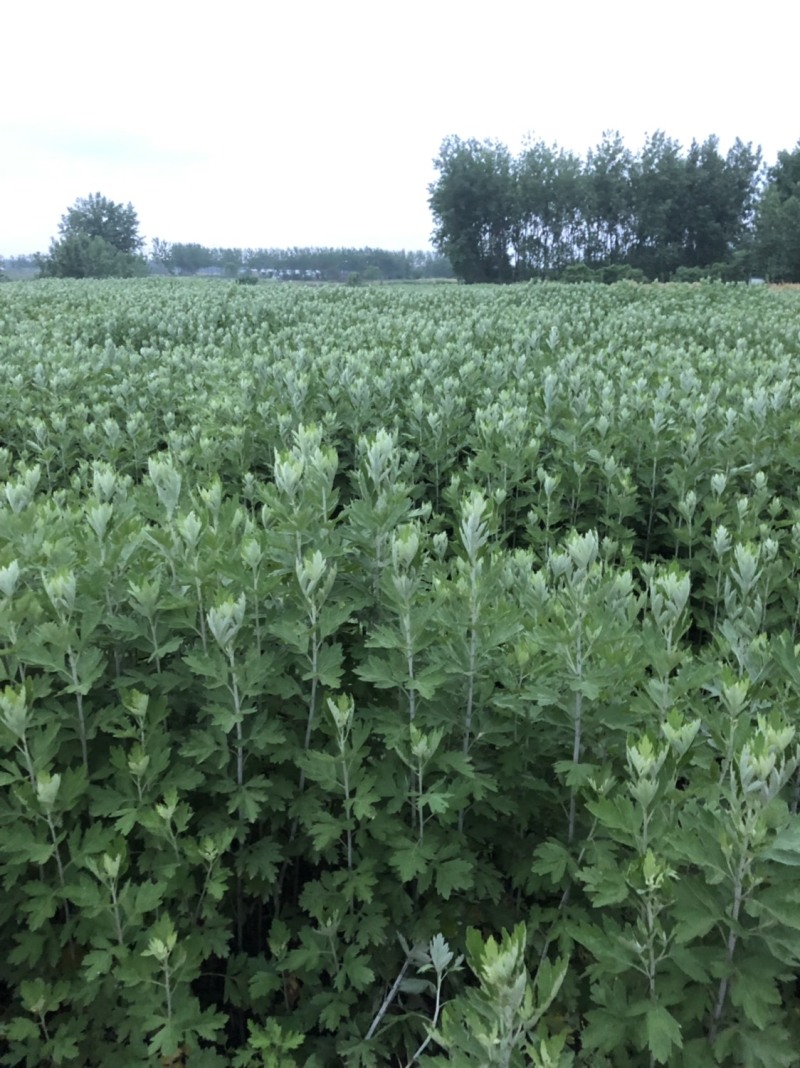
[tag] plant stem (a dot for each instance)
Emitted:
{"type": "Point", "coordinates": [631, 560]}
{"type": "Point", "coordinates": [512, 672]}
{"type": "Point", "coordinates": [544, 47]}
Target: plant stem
{"type": "Point", "coordinates": [387, 1001]}
{"type": "Point", "coordinates": [312, 700]}
{"type": "Point", "coordinates": [73, 666]}
{"type": "Point", "coordinates": [738, 900]}
{"type": "Point", "coordinates": [237, 707]}
{"type": "Point", "coordinates": [346, 787]}
{"type": "Point", "coordinates": [409, 650]}
{"type": "Point", "coordinates": [435, 1020]}
{"type": "Point", "coordinates": [576, 739]}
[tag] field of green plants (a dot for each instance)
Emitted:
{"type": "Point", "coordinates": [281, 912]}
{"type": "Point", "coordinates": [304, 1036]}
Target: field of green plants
{"type": "Point", "coordinates": [399, 676]}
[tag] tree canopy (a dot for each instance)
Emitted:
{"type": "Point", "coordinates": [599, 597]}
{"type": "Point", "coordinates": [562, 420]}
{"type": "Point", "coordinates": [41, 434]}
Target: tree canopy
{"type": "Point", "coordinates": [778, 220]}
{"type": "Point", "coordinates": [328, 264]}
{"type": "Point", "coordinates": [99, 239]}
{"type": "Point", "coordinates": [652, 213]}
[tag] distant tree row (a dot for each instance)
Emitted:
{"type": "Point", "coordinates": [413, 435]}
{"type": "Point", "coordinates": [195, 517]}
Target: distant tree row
{"type": "Point", "coordinates": [99, 239]}
{"type": "Point", "coordinates": [330, 264]}
{"type": "Point", "coordinates": [658, 213]}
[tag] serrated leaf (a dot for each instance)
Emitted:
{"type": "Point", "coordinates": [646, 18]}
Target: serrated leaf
{"type": "Point", "coordinates": [148, 897]}
{"type": "Point", "coordinates": [604, 885]}
{"type": "Point", "coordinates": [329, 666]}
{"type": "Point", "coordinates": [334, 1012]}
{"type": "Point", "coordinates": [382, 673]}
{"type": "Point", "coordinates": [40, 852]}
{"type": "Point", "coordinates": [437, 801]}
{"type": "Point", "coordinates": [263, 985]}
{"type": "Point", "coordinates": [440, 952]}
{"type": "Point", "coordinates": [200, 745]}
{"type": "Point", "coordinates": [98, 962]}
{"type": "Point", "coordinates": [452, 875]}
{"type": "Point", "coordinates": [22, 1029]}
{"type": "Point", "coordinates": [753, 989]}
{"type": "Point", "coordinates": [205, 667]}
{"type": "Point", "coordinates": [357, 969]}
{"type": "Point", "coordinates": [785, 847]}
{"type": "Point", "coordinates": [663, 1033]}
{"type": "Point", "coordinates": [366, 799]}
{"type": "Point", "coordinates": [41, 904]}
{"type": "Point", "coordinates": [261, 860]}
{"type": "Point", "coordinates": [325, 829]}
{"type": "Point", "coordinates": [86, 894]}
{"type": "Point", "coordinates": [409, 861]}
{"type": "Point", "coordinates": [551, 859]}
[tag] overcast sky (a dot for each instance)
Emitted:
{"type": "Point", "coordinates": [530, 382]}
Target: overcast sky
{"type": "Point", "coordinates": [258, 123]}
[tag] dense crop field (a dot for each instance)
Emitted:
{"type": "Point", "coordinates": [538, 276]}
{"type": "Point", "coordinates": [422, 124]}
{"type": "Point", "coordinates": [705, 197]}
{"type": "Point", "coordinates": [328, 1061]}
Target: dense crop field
{"type": "Point", "coordinates": [399, 676]}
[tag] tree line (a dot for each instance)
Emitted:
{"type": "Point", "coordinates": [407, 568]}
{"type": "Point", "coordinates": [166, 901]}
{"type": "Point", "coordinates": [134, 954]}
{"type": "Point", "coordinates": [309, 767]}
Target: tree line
{"type": "Point", "coordinates": [330, 264]}
{"type": "Point", "coordinates": [100, 239]}
{"type": "Point", "coordinates": [658, 213]}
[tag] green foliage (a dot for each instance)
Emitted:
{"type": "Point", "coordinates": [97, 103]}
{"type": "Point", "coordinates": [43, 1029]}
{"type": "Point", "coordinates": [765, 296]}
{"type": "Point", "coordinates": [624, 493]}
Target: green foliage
{"type": "Point", "coordinates": [302, 264]}
{"type": "Point", "coordinates": [472, 206]}
{"type": "Point", "coordinates": [499, 1023]}
{"type": "Point", "coordinates": [99, 239]}
{"type": "Point", "coordinates": [777, 239]}
{"type": "Point", "coordinates": [399, 675]}
{"type": "Point", "coordinates": [547, 212]}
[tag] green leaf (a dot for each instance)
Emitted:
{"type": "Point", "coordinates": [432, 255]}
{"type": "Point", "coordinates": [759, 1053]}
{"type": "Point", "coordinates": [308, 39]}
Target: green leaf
{"type": "Point", "coordinates": [452, 875]}
{"type": "Point", "coordinates": [437, 801]}
{"type": "Point", "coordinates": [98, 962]}
{"type": "Point", "coordinates": [617, 814]}
{"type": "Point", "coordinates": [148, 897]}
{"type": "Point", "coordinates": [263, 985]}
{"type": "Point", "coordinates": [383, 673]}
{"type": "Point", "coordinates": [166, 1040]}
{"type": "Point", "coordinates": [261, 859]}
{"type": "Point", "coordinates": [336, 1010]}
{"type": "Point", "coordinates": [785, 847]}
{"type": "Point", "coordinates": [206, 667]}
{"type": "Point", "coordinates": [604, 885]}
{"type": "Point", "coordinates": [754, 990]}
{"type": "Point", "coordinates": [65, 1046]}
{"type": "Point", "coordinates": [22, 1029]}
{"type": "Point", "coordinates": [409, 861]}
{"type": "Point", "coordinates": [325, 829]}
{"type": "Point", "coordinates": [417, 986]}
{"type": "Point", "coordinates": [329, 666]}
{"type": "Point", "coordinates": [576, 776]}
{"type": "Point", "coordinates": [367, 797]}
{"type": "Point", "coordinates": [357, 970]}
{"type": "Point", "coordinates": [200, 745]}
{"type": "Point", "coordinates": [697, 911]}
{"type": "Point", "coordinates": [40, 852]}
{"type": "Point", "coordinates": [663, 1033]}
{"type": "Point", "coordinates": [41, 904]}
{"type": "Point", "coordinates": [690, 963]}
{"type": "Point", "coordinates": [248, 800]}
{"type": "Point", "coordinates": [86, 894]}
{"type": "Point", "coordinates": [551, 859]}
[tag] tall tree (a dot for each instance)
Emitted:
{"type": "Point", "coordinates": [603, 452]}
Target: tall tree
{"type": "Point", "coordinates": [718, 200]}
{"type": "Point", "coordinates": [608, 208]}
{"type": "Point", "coordinates": [96, 216]}
{"type": "Point", "coordinates": [472, 203]}
{"type": "Point", "coordinates": [99, 239]}
{"type": "Point", "coordinates": [777, 235]}
{"type": "Point", "coordinates": [657, 191]}
{"type": "Point", "coordinates": [547, 209]}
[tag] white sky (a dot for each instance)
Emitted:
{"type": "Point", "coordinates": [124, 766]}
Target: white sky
{"type": "Point", "coordinates": [256, 123]}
